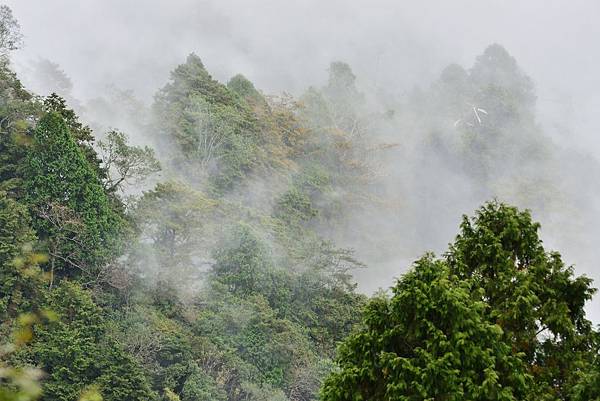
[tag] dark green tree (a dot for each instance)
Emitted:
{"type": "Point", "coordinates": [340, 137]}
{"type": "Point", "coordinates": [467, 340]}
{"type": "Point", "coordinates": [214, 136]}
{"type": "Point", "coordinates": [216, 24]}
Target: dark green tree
{"type": "Point", "coordinates": [530, 293]}
{"type": "Point", "coordinates": [81, 133]}
{"type": "Point", "coordinates": [76, 352]}
{"type": "Point", "coordinates": [68, 200]}
{"type": "Point", "coordinates": [430, 341]}
{"type": "Point", "coordinates": [498, 318]}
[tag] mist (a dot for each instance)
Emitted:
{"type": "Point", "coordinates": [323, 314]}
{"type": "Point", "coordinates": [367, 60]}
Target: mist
{"type": "Point", "coordinates": [392, 47]}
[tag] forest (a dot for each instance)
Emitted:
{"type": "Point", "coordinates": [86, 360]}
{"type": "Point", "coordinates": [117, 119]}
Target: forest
{"type": "Point", "coordinates": [217, 257]}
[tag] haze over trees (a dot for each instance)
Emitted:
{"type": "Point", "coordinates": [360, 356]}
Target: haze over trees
{"type": "Point", "coordinates": [210, 262]}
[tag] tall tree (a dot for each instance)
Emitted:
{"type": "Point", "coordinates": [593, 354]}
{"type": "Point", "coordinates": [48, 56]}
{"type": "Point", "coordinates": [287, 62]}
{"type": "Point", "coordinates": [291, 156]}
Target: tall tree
{"type": "Point", "coordinates": [211, 126]}
{"type": "Point", "coordinates": [10, 35]}
{"type": "Point", "coordinates": [530, 293]}
{"type": "Point", "coordinates": [497, 319]}
{"type": "Point", "coordinates": [58, 174]}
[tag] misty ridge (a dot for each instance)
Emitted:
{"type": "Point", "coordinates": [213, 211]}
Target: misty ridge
{"type": "Point", "coordinates": [351, 237]}
{"type": "Point", "coordinates": [420, 159]}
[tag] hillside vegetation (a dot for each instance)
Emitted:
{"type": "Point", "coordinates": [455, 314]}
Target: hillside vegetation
{"type": "Point", "coordinates": [207, 266]}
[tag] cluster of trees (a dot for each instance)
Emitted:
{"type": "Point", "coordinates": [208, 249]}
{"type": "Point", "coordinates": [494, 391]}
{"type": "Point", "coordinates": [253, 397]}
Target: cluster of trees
{"type": "Point", "coordinates": [221, 281]}
{"type": "Point", "coordinates": [496, 140]}
{"type": "Point", "coordinates": [185, 291]}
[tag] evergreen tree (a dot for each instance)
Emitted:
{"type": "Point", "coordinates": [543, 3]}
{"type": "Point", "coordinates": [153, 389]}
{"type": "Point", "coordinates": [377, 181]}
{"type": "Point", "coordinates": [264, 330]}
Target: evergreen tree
{"type": "Point", "coordinates": [497, 319]}
{"type": "Point", "coordinates": [530, 293]}
{"type": "Point", "coordinates": [68, 200]}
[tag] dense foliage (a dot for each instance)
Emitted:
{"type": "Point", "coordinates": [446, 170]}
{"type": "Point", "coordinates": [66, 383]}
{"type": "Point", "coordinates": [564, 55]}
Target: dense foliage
{"type": "Point", "coordinates": [497, 318]}
{"type": "Point", "coordinates": [209, 270]}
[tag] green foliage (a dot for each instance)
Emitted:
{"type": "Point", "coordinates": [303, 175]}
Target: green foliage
{"type": "Point", "coordinates": [430, 341]}
{"type": "Point", "coordinates": [243, 263]}
{"type": "Point", "coordinates": [68, 200]}
{"type": "Point", "coordinates": [587, 377]}
{"type": "Point", "coordinates": [243, 87]}
{"type": "Point", "coordinates": [268, 351]}
{"type": "Point", "coordinates": [21, 292]}
{"type": "Point", "coordinates": [15, 230]}
{"type": "Point", "coordinates": [530, 293]}
{"type": "Point", "coordinates": [16, 236]}
{"type": "Point", "coordinates": [309, 191]}
{"type": "Point", "coordinates": [201, 387]}
{"type": "Point", "coordinates": [498, 318]}
{"type": "Point", "coordinates": [295, 206]}
{"type": "Point", "coordinates": [82, 134]}
{"type": "Point", "coordinates": [75, 352]}
{"type": "Point", "coordinates": [174, 224]}
{"type": "Point", "coordinates": [211, 125]}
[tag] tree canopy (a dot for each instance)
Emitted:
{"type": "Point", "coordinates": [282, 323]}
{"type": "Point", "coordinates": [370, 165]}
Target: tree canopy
{"type": "Point", "coordinates": [498, 318]}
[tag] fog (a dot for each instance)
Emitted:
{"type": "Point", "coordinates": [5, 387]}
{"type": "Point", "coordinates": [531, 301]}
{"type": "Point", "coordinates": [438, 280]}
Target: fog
{"type": "Point", "coordinates": [392, 46]}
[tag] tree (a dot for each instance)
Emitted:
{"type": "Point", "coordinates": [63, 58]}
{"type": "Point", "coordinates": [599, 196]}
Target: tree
{"type": "Point", "coordinates": [19, 272]}
{"type": "Point", "coordinates": [497, 124]}
{"type": "Point", "coordinates": [66, 227]}
{"type": "Point", "coordinates": [82, 134]}
{"type": "Point", "coordinates": [76, 352]}
{"type": "Point", "coordinates": [211, 125]}
{"type": "Point", "coordinates": [50, 78]}
{"type": "Point", "coordinates": [496, 68]}
{"type": "Point", "coordinates": [10, 36]}
{"type": "Point", "coordinates": [430, 341]}
{"type": "Point", "coordinates": [246, 89]}
{"type": "Point", "coordinates": [497, 319]}
{"type": "Point", "coordinates": [339, 146]}
{"type": "Point", "coordinates": [173, 222]}
{"type": "Point", "coordinates": [243, 263]}
{"type": "Point", "coordinates": [125, 163]}
{"type": "Point", "coordinates": [345, 103]}
{"type": "Point", "coordinates": [201, 387]}
{"type": "Point", "coordinates": [58, 174]}
{"type": "Point", "coordinates": [530, 293]}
